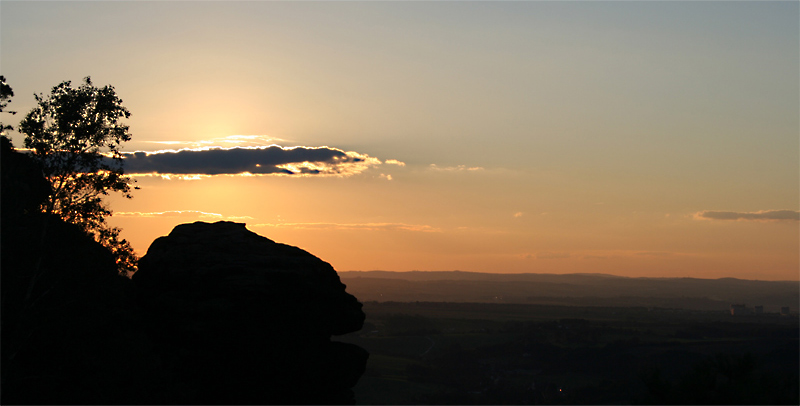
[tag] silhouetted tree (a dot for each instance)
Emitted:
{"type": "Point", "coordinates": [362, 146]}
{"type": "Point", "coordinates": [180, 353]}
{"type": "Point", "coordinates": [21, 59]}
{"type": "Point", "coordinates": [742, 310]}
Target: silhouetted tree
{"type": "Point", "coordinates": [75, 134]}
{"type": "Point", "coordinates": [6, 93]}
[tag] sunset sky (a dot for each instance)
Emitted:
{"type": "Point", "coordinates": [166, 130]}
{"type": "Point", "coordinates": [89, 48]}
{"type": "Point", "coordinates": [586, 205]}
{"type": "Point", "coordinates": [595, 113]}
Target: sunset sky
{"type": "Point", "coordinates": [631, 138]}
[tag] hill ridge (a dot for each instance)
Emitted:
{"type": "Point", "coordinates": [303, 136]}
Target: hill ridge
{"type": "Point", "coordinates": [427, 274]}
{"type": "Point", "coordinates": [571, 289]}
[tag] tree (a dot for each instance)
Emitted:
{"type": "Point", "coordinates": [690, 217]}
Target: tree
{"type": "Point", "coordinates": [75, 134]}
{"type": "Point", "coordinates": [6, 93]}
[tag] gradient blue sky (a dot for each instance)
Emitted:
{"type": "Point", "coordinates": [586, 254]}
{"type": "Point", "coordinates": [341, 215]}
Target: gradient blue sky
{"type": "Point", "coordinates": [528, 136]}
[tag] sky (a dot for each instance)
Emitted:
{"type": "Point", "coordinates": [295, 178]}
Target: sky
{"type": "Point", "coordinates": [647, 139]}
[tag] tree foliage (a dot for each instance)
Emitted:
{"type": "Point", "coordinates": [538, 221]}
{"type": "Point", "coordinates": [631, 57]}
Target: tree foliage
{"type": "Point", "coordinates": [6, 93]}
{"type": "Point", "coordinates": [75, 134]}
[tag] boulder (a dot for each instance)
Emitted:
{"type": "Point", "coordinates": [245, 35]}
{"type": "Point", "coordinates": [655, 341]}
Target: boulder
{"type": "Point", "coordinates": [240, 319]}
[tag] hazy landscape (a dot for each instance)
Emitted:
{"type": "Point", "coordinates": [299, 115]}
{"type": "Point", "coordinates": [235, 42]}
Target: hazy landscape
{"type": "Point", "coordinates": [572, 289]}
{"type": "Point", "coordinates": [471, 338]}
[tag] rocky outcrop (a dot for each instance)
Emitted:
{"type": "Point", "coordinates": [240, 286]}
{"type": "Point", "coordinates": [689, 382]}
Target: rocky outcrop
{"type": "Point", "coordinates": [216, 314]}
{"type": "Point", "coordinates": [241, 319]}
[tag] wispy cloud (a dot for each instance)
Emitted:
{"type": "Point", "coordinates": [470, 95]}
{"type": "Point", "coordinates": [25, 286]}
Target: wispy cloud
{"type": "Point", "coordinates": [168, 176]}
{"type": "Point", "coordinates": [355, 226]}
{"type": "Point", "coordinates": [654, 254]}
{"type": "Point", "coordinates": [229, 141]}
{"type": "Point", "coordinates": [763, 215]}
{"type": "Point", "coordinates": [549, 255]}
{"type": "Point", "coordinates": [179, 213]}
{"type": "Point", "coordinates": [458, 168]}
{"type": "Point", "coordinates": [601, 254]}
{"type": "Point", "coordinates": [270, 160]}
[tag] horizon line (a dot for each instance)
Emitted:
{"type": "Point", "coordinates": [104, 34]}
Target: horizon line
{"type": "Point", "coordinates": [572, 274]}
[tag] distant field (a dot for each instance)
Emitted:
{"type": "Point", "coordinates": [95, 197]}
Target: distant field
{"type": "Point", "coordinates": [488, 353]}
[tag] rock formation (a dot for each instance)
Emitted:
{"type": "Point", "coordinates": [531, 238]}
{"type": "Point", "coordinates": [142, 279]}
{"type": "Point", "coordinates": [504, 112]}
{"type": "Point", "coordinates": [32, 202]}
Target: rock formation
{"type": "Point", "coordinates": [216, 314]}
{"type": "Point", "coordinates": [243, 320]}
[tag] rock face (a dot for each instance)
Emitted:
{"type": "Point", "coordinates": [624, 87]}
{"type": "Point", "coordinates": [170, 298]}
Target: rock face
{"type": "Point", "coordinates": [240, 319]}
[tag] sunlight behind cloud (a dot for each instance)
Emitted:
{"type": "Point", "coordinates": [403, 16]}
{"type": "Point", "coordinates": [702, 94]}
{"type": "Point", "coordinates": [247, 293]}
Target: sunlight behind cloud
{"type": "Point", "coordinates": [180, 213]}
{"type": "Point", "coordinates": [231, 140]}
{"type": "Point", "coordinates": [355, 226]}
{"type": "Point", "coordinates": [615, 132]}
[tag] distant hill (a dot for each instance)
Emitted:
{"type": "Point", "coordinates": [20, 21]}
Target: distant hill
{"type": "Point", "coordinates": [571, 289]}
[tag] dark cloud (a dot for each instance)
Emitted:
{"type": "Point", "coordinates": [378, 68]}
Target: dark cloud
{"type": "Point", "coordinates": [765, 215]}
{"type": "Point", "coordinates": [262, 160]}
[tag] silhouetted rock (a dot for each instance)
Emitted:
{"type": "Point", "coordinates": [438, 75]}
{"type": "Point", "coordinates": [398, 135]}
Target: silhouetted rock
{"type": "Point", "coordinates": [217, 314]}
{"type": "Point", "coordinates": [241, 319]}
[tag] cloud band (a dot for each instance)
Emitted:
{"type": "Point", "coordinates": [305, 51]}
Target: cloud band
{"type": "Point", "coordinates": [271, 160]}
{"type": "Point", "coordinates": [764, 215]}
